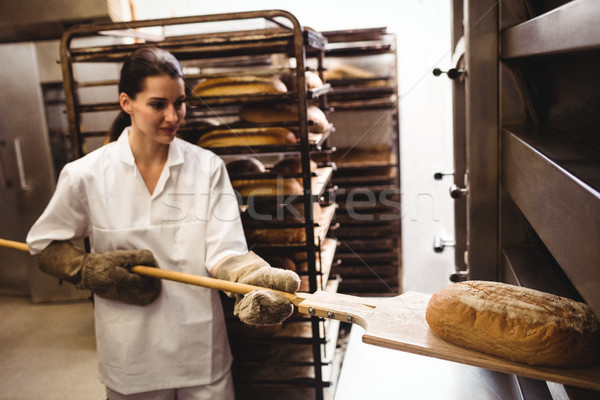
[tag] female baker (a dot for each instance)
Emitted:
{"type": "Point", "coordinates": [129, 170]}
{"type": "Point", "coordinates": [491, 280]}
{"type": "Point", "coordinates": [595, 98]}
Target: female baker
{"type": "Point", "coordinates": [149, 198]}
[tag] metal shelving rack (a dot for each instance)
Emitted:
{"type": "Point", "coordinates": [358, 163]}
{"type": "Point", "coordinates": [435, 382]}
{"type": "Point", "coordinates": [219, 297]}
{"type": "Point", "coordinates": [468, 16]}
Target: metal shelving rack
{"type": "Point", "coordinates": [367, 160]}
{"type": "Point", "coordinates": [225, 53]}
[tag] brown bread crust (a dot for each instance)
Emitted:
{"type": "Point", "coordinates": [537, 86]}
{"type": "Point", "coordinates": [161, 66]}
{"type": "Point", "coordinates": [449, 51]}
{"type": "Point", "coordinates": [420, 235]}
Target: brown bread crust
{"type": "Point", "coordinates": [247, 137]}
{"type": "Point", "coordinates": [281, 112]}
{"type": "Point", "coordinates": [267, 187]}
{"type": "Point", "coordinates": [238, 85]}
{"type": "Point", "coordinates": [516, 323]}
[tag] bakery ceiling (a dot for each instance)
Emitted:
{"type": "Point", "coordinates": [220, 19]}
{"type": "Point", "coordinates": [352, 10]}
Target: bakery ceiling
{"type": "Point", "coordinates": [31, 20]}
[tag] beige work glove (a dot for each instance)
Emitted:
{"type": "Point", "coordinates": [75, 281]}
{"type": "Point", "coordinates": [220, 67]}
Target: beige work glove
{"type": "Point", "coordinates": [259, 307]}
{"type": "Point", "coordinates": [106, 274]}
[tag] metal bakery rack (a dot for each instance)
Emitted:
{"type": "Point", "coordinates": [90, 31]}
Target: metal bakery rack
{"type": "Point", "coordinates": [299, 359]}
{"type": "Point", "coordinates": [361, 67]}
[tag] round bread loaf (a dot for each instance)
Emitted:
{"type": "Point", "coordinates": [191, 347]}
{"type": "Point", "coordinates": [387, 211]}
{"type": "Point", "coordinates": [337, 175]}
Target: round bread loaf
{"type": "Point", "coordinates": [348, 72]}
{"type": "Point", "coordinates": [516, 323]}
{"type": "Point", "coordinates": [247, 137]}
{"type": "Point", "coordinates": [238, 85]}
{"type": "Point", "coordinates": [291, 166]}
{"type": "Point", "coordinates": [345, 71]}
{"type": "Point", "coordinates": [313, 80]}
{"type": "Point", "coordinates": [278, 261]}
{"type": "Point", "coordinates": [245, 166]}
{"type": "Point", "coordinates": [281, 112]}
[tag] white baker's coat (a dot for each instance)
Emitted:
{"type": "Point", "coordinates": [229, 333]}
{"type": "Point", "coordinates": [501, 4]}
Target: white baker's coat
{"type": "Point", "coordinates": [190, 222]}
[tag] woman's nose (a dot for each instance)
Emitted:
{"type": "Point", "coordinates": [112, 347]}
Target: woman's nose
{"type": "Point", "coordinates": [171, 114]}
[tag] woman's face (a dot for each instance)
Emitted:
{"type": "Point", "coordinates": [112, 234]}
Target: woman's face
{"type": "Point", "coordinates": [158, 110]}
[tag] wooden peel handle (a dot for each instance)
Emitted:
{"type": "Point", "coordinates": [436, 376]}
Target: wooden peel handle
{"type": "Point", "coordinates": [197, 280]}
{"type": "Point", "coordinates": [204, 281]}
{"type": "Point", "coordinates": [14, 245]}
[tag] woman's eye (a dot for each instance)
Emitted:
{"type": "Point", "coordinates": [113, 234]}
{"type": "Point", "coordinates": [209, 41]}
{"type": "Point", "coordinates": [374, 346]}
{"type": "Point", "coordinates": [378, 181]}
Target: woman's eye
{"type": "Point", "coordinates": [157, 106]}
{"type": "Point", "coordinates": [179, 103]}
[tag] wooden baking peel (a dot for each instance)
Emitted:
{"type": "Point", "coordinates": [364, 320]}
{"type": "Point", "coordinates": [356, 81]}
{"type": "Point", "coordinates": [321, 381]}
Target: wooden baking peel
{"type": "Point", "coordinates": [397, 323]}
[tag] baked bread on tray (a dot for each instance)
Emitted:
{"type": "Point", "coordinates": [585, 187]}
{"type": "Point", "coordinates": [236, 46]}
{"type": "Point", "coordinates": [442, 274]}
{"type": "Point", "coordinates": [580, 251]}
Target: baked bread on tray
{"type": "Point", "coordinates": [516, 323]}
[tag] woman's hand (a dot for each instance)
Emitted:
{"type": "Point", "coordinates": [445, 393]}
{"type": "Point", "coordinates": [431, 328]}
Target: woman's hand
{"type": "Point", "coordinates": [106, 274]}
{"type": "Point", "coordinates": [259, 307]}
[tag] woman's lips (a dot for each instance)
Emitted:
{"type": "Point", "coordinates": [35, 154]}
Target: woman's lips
{"type": "Point", "coordinates": [169, 130]}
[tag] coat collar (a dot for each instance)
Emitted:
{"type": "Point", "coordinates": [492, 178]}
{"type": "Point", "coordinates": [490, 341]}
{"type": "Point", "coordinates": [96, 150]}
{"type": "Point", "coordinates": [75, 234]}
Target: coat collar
{"type": "Point", "coordinates": [125, 155]}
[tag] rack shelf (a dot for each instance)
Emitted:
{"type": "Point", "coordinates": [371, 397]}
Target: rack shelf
{"type": "Point", "coordinates": [370, 50]}
{"type": "Point", "coordinates": [522, 265]}
{"type": "Point", "coordinates": [316, 142]}
{"type": "Point", "coordinates": [560, 206]}
{"type": "Point", "coordinates": [326, 260]}
{"type": "Point", "coordinates": [222, 44]}
{"type": "Point", "coordinates": [320, 180]}
{"type": "Point", "coordinates": [207, 101]}
{"type": "Point", "coordinates": [570, 28]}
{"type": "Point", "coordinates": [321, 228]}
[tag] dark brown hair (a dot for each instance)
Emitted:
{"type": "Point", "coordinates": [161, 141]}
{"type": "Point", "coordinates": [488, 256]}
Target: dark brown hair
{"type": "Point", "coordinates": [141, 64]}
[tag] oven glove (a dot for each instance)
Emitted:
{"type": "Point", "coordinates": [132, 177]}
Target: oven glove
{"type": "Point", "coordinates": [259, 307]}
{"type": "Point", "coordinates": [106, 274]}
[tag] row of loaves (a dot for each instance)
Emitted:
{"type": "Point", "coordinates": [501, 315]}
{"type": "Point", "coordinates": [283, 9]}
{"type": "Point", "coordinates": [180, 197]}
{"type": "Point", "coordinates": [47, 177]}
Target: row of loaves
{"type": "Point", "coordinates": [259, 113]}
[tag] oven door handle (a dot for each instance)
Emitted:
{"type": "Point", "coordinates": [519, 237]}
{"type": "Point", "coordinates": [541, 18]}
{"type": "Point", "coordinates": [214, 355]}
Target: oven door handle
{"type": "Point", "coordinates": [21, 166]}
{"type": "Point", "coordinates": [5, 183]}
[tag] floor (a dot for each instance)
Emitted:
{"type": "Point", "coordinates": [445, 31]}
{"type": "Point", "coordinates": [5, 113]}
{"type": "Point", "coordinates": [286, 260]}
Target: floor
{"type": "Point", "coordinates": [48, 351]}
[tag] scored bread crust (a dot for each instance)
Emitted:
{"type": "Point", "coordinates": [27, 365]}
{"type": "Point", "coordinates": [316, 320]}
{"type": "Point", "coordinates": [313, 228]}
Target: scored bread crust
{"type": "Point", "coordinates": [238, 85]}
{"type": "Point", "coordinates": [282, 112]}
{"type": "Point", "coordinates": [247, 137]}
{"type": "Point", "coordinates": [516, 323]}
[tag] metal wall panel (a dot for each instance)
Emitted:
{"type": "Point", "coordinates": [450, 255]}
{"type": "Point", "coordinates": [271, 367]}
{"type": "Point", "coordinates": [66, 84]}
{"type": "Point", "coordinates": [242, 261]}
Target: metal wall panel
{"type": "Point", "coordinates": [481, 63]}
{"type": "Point", "coordinates": [27, 174]}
